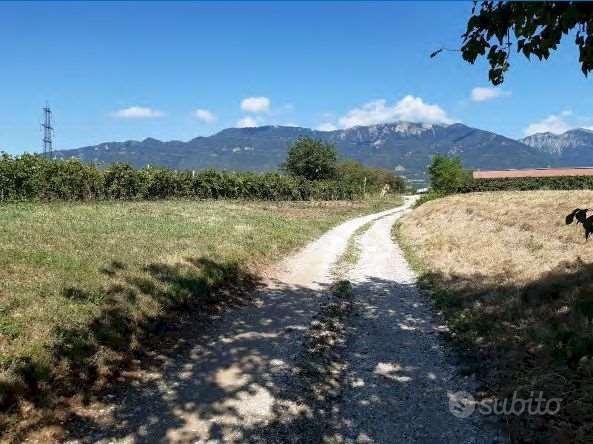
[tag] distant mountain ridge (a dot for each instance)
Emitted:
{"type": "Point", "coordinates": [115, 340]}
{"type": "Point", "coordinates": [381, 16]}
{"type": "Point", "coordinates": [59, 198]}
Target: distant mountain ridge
{"type": "Point", "coordinates": [572, 148]}
{"type": "Point", "coordinates": [405, 147]}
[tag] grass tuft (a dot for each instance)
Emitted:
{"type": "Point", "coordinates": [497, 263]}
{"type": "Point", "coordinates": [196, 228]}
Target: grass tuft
{"type": "Point", "coordinates": [351, 254]}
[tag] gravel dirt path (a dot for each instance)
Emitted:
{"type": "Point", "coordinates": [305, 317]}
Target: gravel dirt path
{"type": "Point", "coordinates": [400, 377]}
{"type": "Point", "coordinates": [239, 377]}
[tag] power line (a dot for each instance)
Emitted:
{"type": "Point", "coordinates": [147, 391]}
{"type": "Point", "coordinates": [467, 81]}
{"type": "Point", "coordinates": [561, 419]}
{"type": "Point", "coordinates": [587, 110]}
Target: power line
{"type": "Point", "coordinates": [48, 131]}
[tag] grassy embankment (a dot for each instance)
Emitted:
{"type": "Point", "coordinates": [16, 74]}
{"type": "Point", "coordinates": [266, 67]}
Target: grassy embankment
{"type": "Point", "coordinates": [515, 284]}
{"type": "Point", "coordinates": [82, 284]}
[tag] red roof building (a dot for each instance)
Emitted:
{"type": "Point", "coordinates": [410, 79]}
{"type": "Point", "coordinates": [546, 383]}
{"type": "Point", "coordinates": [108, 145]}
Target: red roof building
{"type": "Point", "coordinates": [534, 172]}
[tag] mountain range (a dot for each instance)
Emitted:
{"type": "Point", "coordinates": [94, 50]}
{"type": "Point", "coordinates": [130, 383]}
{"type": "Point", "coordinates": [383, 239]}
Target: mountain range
{"type": "Point", "coordinates": [404, 147]}
{"type": "Point", "coordinates": [572, 148]}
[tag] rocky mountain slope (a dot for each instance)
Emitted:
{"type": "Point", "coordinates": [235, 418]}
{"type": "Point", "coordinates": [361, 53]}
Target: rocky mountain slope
{"type": "Point", "coordinates": [405, 147]}
{"type": "Point", "coordinates": [572, 148]}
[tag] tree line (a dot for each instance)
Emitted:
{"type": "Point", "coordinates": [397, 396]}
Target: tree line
{"type": "Point", "coordinates": [311, 172]}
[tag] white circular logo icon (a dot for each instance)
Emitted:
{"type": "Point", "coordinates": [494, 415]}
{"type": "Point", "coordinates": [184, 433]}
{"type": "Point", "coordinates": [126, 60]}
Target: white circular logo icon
{"type": "Point", "coordinates": [461, 404]}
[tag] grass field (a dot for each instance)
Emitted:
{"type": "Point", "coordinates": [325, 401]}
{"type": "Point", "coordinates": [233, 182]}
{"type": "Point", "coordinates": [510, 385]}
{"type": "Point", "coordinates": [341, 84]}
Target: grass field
{"type": "Point", "coordinates": [80, 284]}
{"type": "Point", "coordinates": [515, 284]}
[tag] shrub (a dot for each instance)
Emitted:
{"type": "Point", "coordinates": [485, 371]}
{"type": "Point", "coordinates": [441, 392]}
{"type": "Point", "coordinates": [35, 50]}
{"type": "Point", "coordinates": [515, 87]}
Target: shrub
{"type": "Point", "coordinates": [69, 180]}
{"type": "Point", "coordinates": [427, 197]}
{"type": "Point", "coordinates": [122, 182]}
{"type": "Point", "coordinates": [529, 183]}
{"type": "Point", "coordinates": [159, 183]}
{"type": "Point", "coordinates": [370, 179]}
{"type": "Point", "coordinates": [311, 159]}
{"type": "Point", "coordinates": [18, 177]}
{"type": "Point", "coordinates": [31, 177]}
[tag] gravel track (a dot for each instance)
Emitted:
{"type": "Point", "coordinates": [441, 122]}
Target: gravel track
{"type": "Point", "coordinates": [235, 378]}
{"type": "Point", "coordinates": [400, 377]}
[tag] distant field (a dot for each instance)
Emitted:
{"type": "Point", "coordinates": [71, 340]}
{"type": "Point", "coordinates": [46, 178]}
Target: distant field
{"type": "Point", "coordinates": [516, 286]}
{"type": "Point", "coordinates": [81, 283]}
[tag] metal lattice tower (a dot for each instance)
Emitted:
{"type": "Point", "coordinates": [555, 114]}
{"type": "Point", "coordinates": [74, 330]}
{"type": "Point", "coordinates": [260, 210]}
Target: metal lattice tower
{"type": "Point", "coordinates": [47, 131]}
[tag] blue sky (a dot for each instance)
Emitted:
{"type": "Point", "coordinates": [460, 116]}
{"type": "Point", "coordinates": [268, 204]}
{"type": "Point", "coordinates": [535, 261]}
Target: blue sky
{"type": "Point", "coordinates": [119, 71]}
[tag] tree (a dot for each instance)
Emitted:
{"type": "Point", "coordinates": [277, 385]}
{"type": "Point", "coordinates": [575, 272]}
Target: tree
{"type": "Point", "coordinates": [370, 179]}
{"type": "Point", "coordinates": [311, 159]}
{"type": "Point", "coordinates": [536, 27]}
{"type": "Point", "coordinates": [447, 174]}
{"type": "Point", "coordinates": [353, 173]}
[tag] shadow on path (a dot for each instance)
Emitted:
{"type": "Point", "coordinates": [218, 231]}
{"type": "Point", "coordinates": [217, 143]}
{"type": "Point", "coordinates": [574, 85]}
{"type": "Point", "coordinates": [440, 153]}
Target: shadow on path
{"type": "Point", "coordinates": [235, 377]}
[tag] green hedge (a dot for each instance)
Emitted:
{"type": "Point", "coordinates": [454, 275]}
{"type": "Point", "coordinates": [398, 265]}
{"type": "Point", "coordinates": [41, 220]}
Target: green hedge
{"type": "Point", "coordinates": [528, 183]}
{"type": "Point", "coordinates": [32, 177]}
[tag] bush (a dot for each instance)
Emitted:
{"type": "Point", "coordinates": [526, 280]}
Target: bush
{"type": "Point", "coordinates": [29, 177]}
{"type": "Point", "coordinates": [529, 183]}
{"type": "Point", "coordinates": [19, 177]}
{"type": "Point", "coordinates": [32, 177]}
{"type": "Point", "coordinates": [371, 180]}
{"type": "Point", "coordinates": [159, 183]}
{"type": "Point", "coordinates": [121, 182]}
{"type": "Point", "coordinates": [447, 174]}
{"type": "Point", "coordinates": [311, 159]}
{"type": "Point", "coordinates": [70, 180]}
{"type": "Point", "coordinates": [427, 197]}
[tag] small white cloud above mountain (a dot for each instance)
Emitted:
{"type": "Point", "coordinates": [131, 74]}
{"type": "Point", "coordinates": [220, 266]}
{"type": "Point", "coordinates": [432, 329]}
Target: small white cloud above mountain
{"type": "Point", "coordinates": [286, 108]}
{"type": "Point", "coordinates": [554, 123]}
{"type": "Point", "coordinates": [327, 126]}
{"type": "Point", "coordinates": [137, 112]}
{"type": "Point", "coordinates": [204, 115]}
{"type": "Point", "coordinates": [247, 122]}
{"type": "Point", "coordinates": [256, 104]}
{"type": "Point", "coordinates": [410, 108]}
{"type": "Point", "coordinates": [482, 94]}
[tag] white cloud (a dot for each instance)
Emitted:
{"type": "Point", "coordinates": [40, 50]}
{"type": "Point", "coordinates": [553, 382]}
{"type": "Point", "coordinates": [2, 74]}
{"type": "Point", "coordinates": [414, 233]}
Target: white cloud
{"type": "Point", "coordinates": [204, 115]}
{"type": "Point", "coordinates": [255, 104]}
{"type": "Point", "coordinates": [286, 108]}
{"type": "Point", "coordinates": [554, 123]}
{"type": "Point", "coordinates": [327, 127]}
{"type": "Point", "coordinates": [409, 108]}
{"type": "Point", "coordinates": [480, 94]}
{"type": "Point", "coordinates": [137, 112]}
{"type": "Point", "coordinates": [247, 122]}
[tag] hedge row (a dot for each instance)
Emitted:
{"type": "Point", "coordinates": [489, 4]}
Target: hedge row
{"type": "Point", "coordinates": [32, 177]}
{"type": "Point", "coordinates": [528, 183]}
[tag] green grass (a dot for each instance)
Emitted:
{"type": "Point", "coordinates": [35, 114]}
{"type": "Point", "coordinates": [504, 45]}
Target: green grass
{"type": "Point", "coordinates": [80, 284]}
{"type": "Point", "coordinates": [351, 254]}
{"type": "Point", "coordinates": [408, 250]}
{"type": "Point", "coordinates": [427, 197]}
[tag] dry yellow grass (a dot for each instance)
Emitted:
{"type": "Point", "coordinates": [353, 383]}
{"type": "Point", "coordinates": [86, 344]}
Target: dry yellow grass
{"type": "Point", "coordinates": [515, 284]}
{"type": "Point", "coordinates": [516, 236]}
